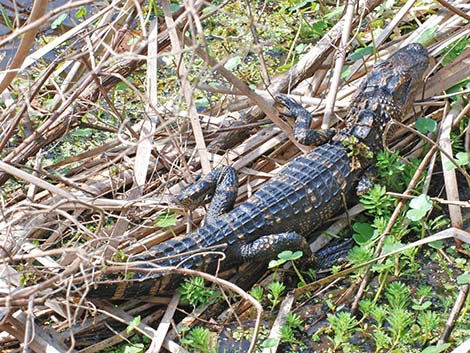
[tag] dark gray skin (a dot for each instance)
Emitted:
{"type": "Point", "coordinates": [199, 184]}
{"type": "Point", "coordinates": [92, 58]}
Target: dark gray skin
{"type": "Point", "coordinates": [304, 195]}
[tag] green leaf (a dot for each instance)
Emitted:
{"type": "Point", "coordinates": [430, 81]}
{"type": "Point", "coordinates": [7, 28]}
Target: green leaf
{"type": "Point", "coordinates": [300, 4]}
{"type": "Point", "coordinates": [59, 20]}
{"type": "Point", "coordinates": [425, 125]}
{"type": "Point", "coordinates": [174, 7]}
{"type": "Point", "coordinates": [284, 68]}
{"type": "Point", "coordinates": [276, 263]}
{"type": "Point", "coordinates": [419, 207]}
{"type": "Point", "coordinates": [6, 18]}
{"type": "Point", "coordinates": [319, 28]}
{"type": "Point", "coordinates": [436, 349]}
{"type": "Point", "coordinates": [288, 255]}
{"type": "Point", "coordinates": [135, 348]}
{"type": "Point", "coordinates": [346, 72]}
{"type": "Point", "coordinates": [389, 264]}
{"type": "Point", "coordinates": [121, 86]}
{"type": "Point", "coordinates": [232, 63]}
{"type": "Point", "coordinates": [166, 220]}
{"type": "Point", "coordinates": [452, 52]}
{"type": "Point", "coordinates": [82, 132]}
{"type": "Point", "coordinates": [428, 36]}
{"type": "Point", "coordinates": [336, 12]}
{"type": "Point", "coordinates": [360, 53]}
{"type": "Point", "coordinates": [463, 279]}
{"type": "Point", "coordinates": [270, 342]}
{"type": "Point", "coordinates": [438, 244]}
{"type": "Point", "coordinates": [461, 158]}
{"type": "Point", "coordinates": [364, 233]}
{"type": "Point", "coordinates": [423, 306]}
{"type": "Point", "coordinates": [133, 324]}
{"type": "Point", "coordinates": [80, 12]}
{"type": "Point", "coordinates": [462, 85]}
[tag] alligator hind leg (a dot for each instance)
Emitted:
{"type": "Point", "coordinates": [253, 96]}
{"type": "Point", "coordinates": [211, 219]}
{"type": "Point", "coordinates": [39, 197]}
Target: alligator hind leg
{"type": "Point", "coordinates": [220, 186]}
{"type": "Point", "coordinates": [268, 246]}
{"type": "Point", "coordinates": [302, 131]}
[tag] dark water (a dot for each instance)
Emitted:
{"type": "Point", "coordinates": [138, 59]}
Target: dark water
{"type": "Point", "coordinates": [16, 13]}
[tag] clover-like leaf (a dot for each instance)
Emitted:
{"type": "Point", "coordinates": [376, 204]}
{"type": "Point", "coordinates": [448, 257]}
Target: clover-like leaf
{"type": "Point", "coordinates": [419, 207]}
{"type": "Point", "coordinates": [276, 263]}
{"type": "Point", "coordinates": [461, 158]}
{"type": "Point", "coordinates": [232, 63]}
{"type": "Point", "coordinates": [425, 125]}
{"type": "Point", "coordinates": [364, 233]}
{"type": "Point", "coordinates": [288, 255]}
{"type": "Point", "coordinates": [59, 20]}
{"type": "Point", "coordinates": [463, 279]}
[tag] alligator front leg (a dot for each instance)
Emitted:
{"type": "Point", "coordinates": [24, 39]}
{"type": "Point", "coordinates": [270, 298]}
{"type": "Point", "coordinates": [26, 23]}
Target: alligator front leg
{"type": "Point", "coordinates": [302, 131]}
{"type": "Point", "coordinates": [220, 187]}
{"type": "Point", "coordinates": [268, 247]}
{"type": "Point", "coordinates": [366, 182]}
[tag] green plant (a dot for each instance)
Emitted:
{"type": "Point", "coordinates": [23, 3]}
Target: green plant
{"type": "Point", "coordinates": [166, 220]}
{"type": "Point", "coordinates": [379, 313]}
{"type": "Point", "coordinates": [399, 320]}
{"type": "Point", "coordinates": [382, 340]}
{"type": "Point", "coordinates": [428, 321]}
{"type": "Point", "coordinates": [6, 18]}
{"type": "Point", "coordinates": [423, 290]}
{"type": "Point", "coordinates": [390, 168]}
{"type": "Point", "coordinates": [133, 324]}
{"type": "Point", "coordinates": [294, 320]}
{"type": "Point", "coordinates": [343, 325]}
{"type": "Point", "coordinates": [365, 307]}
{"type": "Point", "coordinates": [199, 339]}
{"type": "Point", "coordinates": [286, 256]}
{"type": "Point", "coordinates": [275, 289]}
{"type": "Point", "coordinates": [135, 344]}
{"type": "Point", "coordinates": [287, 335]}
{"type": "Point", "coordinates": [360, 254]}
{"type": "Point", "coordinates": [377, 202]}
{"type": "Point", "coordinates": [452, 52]}
{"type": "Point", "coordinates": [194, 292]}
{"type": "Point", "coordinates": [257, 293]}
{"type": "Point", "coordinates": [398, 295]}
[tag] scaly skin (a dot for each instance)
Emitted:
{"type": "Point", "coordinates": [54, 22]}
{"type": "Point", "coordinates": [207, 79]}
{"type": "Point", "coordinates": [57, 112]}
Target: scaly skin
{"type": "Point", "coordinates": [305, 194]}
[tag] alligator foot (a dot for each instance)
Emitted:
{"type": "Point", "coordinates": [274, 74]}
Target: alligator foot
{"type": "Point", "coordinates": [366, 182]}
{"type": "Point", "coordinates": [303, 120]}
{"type": "Point", "coordinates": [269, 246]}
{"type": "Point", "coordinates": [220, 186]}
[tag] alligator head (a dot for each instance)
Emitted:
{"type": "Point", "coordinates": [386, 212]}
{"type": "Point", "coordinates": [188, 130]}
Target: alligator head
{"type": "Point", "coordinates": [387, 93]}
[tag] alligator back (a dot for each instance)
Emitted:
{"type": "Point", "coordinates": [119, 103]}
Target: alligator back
{"type": "Point", "coordinates": [300, 198]}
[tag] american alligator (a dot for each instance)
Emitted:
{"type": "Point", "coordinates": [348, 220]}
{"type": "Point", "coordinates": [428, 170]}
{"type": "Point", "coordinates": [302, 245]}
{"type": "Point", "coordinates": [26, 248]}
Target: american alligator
{"type": "Point", "coordinates": [306, 193]}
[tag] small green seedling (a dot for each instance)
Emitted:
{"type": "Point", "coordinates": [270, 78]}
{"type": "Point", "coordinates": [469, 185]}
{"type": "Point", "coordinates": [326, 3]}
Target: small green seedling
{"type": "Point", "coordinates": [275, 289]}
{"type": "Point", "coordinates": [283, 258]}
{"type": "Point", "coordinates": [133, 324]}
